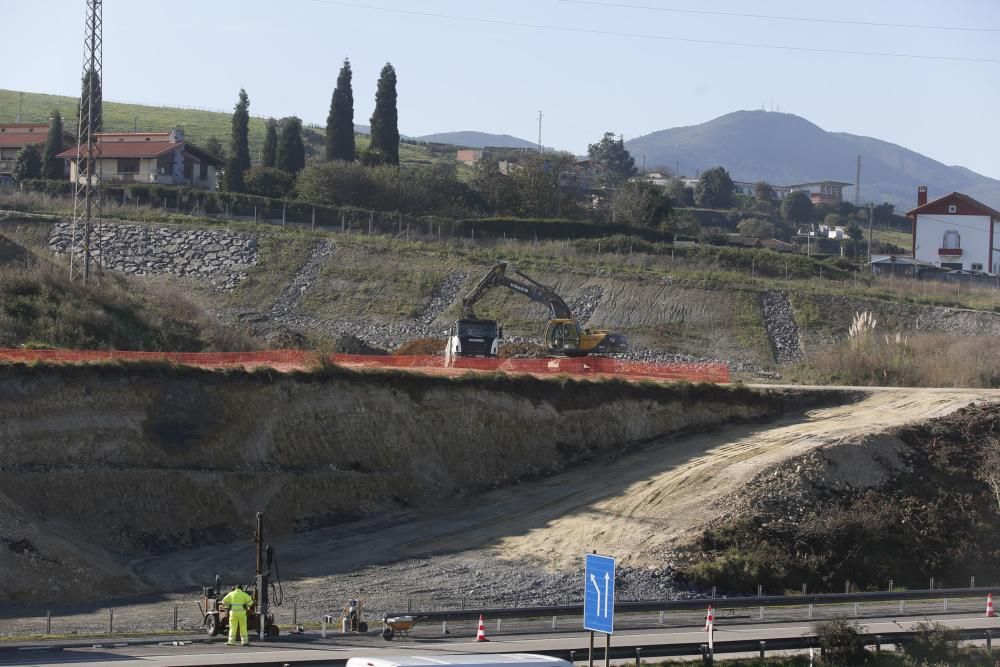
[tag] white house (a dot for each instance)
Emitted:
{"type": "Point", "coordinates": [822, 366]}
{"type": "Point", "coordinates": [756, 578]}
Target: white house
{"type": "Point", "coordinates": [956, 232]}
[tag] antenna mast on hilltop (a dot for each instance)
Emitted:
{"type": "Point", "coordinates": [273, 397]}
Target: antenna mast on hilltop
{"type": "Point", "coordinates": [857, 184]}
{"type": "Point", "coordinates": [84, 252]}
{"type": "Point", "coordinates": [540, 132]}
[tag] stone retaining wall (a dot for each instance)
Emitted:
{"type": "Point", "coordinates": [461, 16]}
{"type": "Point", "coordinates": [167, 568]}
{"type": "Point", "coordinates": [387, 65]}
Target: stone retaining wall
{"type": "Point", "coordinates": [219, 257]}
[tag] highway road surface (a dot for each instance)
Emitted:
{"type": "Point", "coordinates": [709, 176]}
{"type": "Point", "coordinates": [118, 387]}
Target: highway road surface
{"type": "Point", "coordinates": [315, 651]}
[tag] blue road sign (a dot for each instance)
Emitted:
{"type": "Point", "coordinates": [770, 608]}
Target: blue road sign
{"type": "Point", "coordinates": [599, 594]}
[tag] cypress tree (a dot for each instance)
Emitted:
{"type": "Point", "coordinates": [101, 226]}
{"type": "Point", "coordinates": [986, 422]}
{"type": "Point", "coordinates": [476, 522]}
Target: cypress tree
{"type": "Point", "coordinates": [385, 119]}
{"type": "Point", "coordinates": [52, 166]}
{"type": "Point", "coordinates": [270, 143]}
{"type": "Point", "coordinates": [92, 83]}
{"type": "Point", "coordinates": [239, 152]}
{"type": "Point", "coordinates": [291, 154]}
{"type": "Point", "coordinates": [27, 164]}
{"type": "Point", "coordinates": [340, 122]}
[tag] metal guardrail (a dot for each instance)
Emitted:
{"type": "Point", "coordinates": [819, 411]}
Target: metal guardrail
{"type": "Point", "coordinates": [702, 603]}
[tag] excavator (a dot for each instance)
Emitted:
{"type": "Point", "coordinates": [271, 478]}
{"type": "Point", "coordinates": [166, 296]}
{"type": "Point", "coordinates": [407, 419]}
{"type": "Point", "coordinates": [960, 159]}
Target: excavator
{"type": "Point", "coordinates": [471, 336]}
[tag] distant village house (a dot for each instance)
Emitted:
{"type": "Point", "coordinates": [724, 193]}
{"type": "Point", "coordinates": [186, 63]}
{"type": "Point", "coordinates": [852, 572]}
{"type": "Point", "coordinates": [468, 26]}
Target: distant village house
{"type": "Point", "coordinates": [14, 137]}
{"type": "Point", "coordinates": [157, 158]}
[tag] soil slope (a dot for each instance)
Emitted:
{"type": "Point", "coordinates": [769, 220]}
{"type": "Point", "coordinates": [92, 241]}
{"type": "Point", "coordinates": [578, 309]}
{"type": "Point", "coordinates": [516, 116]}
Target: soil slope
{"type": "Point", "coordinates": [159, 458]}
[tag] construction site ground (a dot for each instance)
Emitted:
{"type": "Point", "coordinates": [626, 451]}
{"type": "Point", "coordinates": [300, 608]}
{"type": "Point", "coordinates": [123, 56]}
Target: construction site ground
{"type": "Point", "coordinates": [519, 545]}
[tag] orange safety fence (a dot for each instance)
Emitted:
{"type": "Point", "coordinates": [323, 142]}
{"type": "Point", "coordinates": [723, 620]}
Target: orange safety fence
{"type": "Point", "coordinates": [299, 359]}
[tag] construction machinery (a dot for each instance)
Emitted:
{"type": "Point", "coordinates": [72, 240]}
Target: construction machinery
{"type": "Point", "coordinates": [259, 616]}
{"type": "Point", "coordinates": [471, 336]}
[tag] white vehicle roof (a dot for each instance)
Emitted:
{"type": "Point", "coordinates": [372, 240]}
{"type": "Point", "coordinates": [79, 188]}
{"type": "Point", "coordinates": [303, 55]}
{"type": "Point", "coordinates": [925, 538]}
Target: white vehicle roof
{"type": "Point", "coordinates": [460, 660]}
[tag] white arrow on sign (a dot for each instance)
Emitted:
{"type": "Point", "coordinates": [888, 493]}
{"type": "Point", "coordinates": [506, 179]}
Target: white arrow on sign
{"type": "Point", "coordinates": [606, 577]}
{"type": "Point", "coordinates": [597, 588]}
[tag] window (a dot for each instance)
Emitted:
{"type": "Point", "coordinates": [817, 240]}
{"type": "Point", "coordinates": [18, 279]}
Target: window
{"type": "Point", "coordinates": [188, 168]}
{"type": "Point", "coordinates": [955, 266]}
{"type": "Point", "coordinates": [952, 208]}
{"type": "Point", "coordinates": [952, 240]}
{"type": "Point", "coordinates": [203, 171]}
{"type": "Point", "coordinates": [976, 267]}
{"type": "Point", "coordinates": [165, 165]}
{"type": "Point", "coordinates": [128, 165]}
{"type": "Point", "coordinates": [8, 153]}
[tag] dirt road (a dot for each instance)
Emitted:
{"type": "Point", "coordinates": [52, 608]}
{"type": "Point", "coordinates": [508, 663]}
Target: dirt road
{"type": "Point", "coordinates": [637, 507]}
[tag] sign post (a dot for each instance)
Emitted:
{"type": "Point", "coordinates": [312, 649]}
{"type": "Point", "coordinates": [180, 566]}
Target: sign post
{"type": "Point", "coordinates": [599, 601]}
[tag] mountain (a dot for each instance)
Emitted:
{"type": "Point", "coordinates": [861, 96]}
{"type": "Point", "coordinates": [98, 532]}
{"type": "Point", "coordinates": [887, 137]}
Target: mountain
{"type": "Point", "coordinates": [784, 149]}
{"type": "Point", "coordinates": [472, 139]}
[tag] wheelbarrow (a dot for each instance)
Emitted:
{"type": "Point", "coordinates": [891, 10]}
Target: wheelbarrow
{"type": "Point", "coordinates": [393, 625]}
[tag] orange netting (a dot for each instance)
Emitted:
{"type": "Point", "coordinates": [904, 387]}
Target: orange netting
{"type": "Point", "coordinates": [299, 359]}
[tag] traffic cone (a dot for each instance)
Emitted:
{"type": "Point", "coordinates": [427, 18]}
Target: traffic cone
{"type": "Point", "coordinates": [709, 618]}
{"type": "Point", "coordinates": [989, 605]}
{"type": "Point", "coordinates": [481, 633]}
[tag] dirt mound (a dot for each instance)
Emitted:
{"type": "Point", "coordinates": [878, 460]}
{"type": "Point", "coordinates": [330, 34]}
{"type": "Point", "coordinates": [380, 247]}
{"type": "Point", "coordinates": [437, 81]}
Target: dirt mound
{"type": "Point", "coordinates": [911, 503]}
{"type": "Point", "coordinates": [347, 344]}
{"type": "Point", "coordinates": [420, 347]}
{"type": "Point", "coordinates": [522, 351]}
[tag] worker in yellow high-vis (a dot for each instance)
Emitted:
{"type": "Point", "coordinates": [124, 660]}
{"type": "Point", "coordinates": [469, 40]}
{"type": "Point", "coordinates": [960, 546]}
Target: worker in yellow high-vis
{"type": "Point", "coordinates": [237, 602]}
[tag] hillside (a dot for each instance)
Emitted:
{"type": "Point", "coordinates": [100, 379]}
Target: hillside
{"type": "Point", "coordinates": [473, 139]}
{"type": "Point", "coordinates": [784, 149]}
{"type": "Point", "coordinates": [198, 124]}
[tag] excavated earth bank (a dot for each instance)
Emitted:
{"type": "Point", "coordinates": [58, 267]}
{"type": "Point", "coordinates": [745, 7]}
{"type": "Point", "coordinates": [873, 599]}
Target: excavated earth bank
{"type": "Point", "coordinates": [106, 464]}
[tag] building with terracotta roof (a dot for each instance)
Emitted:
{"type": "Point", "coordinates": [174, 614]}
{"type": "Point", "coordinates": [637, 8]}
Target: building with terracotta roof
{"type": "Point", "coordinates": [158, 158]}
{"type": "Point", "coordinates": [956, 232]}
{"type": "Point", "coordinates": [14, 137]}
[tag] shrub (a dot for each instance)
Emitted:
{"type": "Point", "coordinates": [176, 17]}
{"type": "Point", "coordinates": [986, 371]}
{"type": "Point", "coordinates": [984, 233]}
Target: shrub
{"type": "Point", "coordinates": [842, 642]}
{"type": "Point", "coordinates": [935, 643]}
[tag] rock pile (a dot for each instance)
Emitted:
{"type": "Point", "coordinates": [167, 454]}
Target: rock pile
{"type": "Point", "coordinates": [219, 257]}
{"type": "Point", "coordinates": [780, 326]}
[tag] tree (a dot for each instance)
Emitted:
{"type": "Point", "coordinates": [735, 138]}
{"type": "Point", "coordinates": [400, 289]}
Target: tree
{"type": "Point", "coordinates": [291, 154]}
{"type": "Point", "coordinates": [715, 189]}
{"type": "Point", "coordinates": [269, 182]}
{"type": "Point", "coordinates": [854, 232]}
{"type": "Point", "coordinates": [833, 220]}
{"type": "Point", "coordinates": [757, 228]}
{"type": "Point", "coordinates": [536, 179]}
{"type": "Point", "coordinates": [498, 191]}
{"type": "Point", "coordinates": [53, 167]}
{"type": "Point", "coordinates": [27, 164]}
{"type": "Point", "coordinates": [239, 149]}
{"type": "Point", "coordinates": [883, 213]}
{"type": "Point", "coordinates": [214, 147]}
{"type": "Point", "coordinates": [797, 207]}
{"type": "Point", "coordinates": [385, 119]}
{"type": "Point", "coordinates": [762, 191]}
{"type": "Point", "coordinates": [613, 165]}
{"type": "Point", "coordinates": [270, 156]}
{"type": "Point", "coordinates": [679, 193]}
{"type": "Point", "coordinates": [640, 203]}
{"type": "Point", "coordinates": [92, 85]}
{"type": "Point", "coordinates": [340, 122]}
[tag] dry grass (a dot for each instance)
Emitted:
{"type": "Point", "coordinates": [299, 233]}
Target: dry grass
{"type": "Point", "coordinates": [908, 361]}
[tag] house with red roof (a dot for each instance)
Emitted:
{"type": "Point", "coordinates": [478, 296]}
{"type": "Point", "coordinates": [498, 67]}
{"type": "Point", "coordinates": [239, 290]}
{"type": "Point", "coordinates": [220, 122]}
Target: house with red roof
{"type": "Point", "coordinates": [157, 158]}
{"type": "Point", "coordinates": [955, 232]}
{"type": "Point", "coordinates": [14, 137]}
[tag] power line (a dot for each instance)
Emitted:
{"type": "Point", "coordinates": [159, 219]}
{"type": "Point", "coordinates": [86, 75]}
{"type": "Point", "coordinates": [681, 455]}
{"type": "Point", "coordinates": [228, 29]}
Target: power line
{"type": "Point", "coordinates": [774, 17]}
{"type": "Point", "coordinates": [668, 38]}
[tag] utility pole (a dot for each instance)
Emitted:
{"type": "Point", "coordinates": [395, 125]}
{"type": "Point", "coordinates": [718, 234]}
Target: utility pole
{"type": "Point", "coordinates": [871, 218]}
{"type": "Point", "coordinates": [540, 131]}
{"type": "Point", "coordinates": [87, 188]}
{"type": "Point", "coordinates": [857, 184]}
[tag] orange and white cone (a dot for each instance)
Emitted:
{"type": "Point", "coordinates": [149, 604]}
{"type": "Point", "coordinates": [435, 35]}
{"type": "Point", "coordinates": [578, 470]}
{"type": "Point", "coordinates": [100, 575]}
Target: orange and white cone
{"type": "Point", "coordinates": [709, 618]}
{"type": "Point", "coordinates": [481, 633]}
{"type": "Point", "coordinates": [989, 605]}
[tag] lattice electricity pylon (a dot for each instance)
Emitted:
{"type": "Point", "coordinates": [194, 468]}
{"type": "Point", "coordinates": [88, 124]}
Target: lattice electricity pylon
{"type": "Point", "coordinates": [85, 247]}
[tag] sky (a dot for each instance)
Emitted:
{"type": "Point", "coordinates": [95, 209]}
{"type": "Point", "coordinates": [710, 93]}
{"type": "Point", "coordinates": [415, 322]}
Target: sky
{"type": "Point", "coordinates": [626, 66]}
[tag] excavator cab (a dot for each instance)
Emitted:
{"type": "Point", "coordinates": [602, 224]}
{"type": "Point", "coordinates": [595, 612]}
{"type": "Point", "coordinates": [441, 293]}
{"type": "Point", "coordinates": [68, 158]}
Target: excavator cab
{"type": "Point", "coordinates": [563, 337]}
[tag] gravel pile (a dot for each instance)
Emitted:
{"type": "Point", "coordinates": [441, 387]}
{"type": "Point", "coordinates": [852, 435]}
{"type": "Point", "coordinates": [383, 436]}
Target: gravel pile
{"type": "Point", "coordinates": [303, 279]}
{"type": "Point", "coordinates": [218, 257]}
{"type": "Point", "coordinates": [442, 297]}
{"type": "Point", "coordinates": [779, 323]}
{"type": "Point", "coordinates": [587, 303]}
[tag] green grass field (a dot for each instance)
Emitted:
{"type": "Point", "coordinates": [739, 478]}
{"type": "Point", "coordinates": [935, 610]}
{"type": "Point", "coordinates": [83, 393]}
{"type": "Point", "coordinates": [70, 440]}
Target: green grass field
{"type": "Point", "coordinates": [198, 125]}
